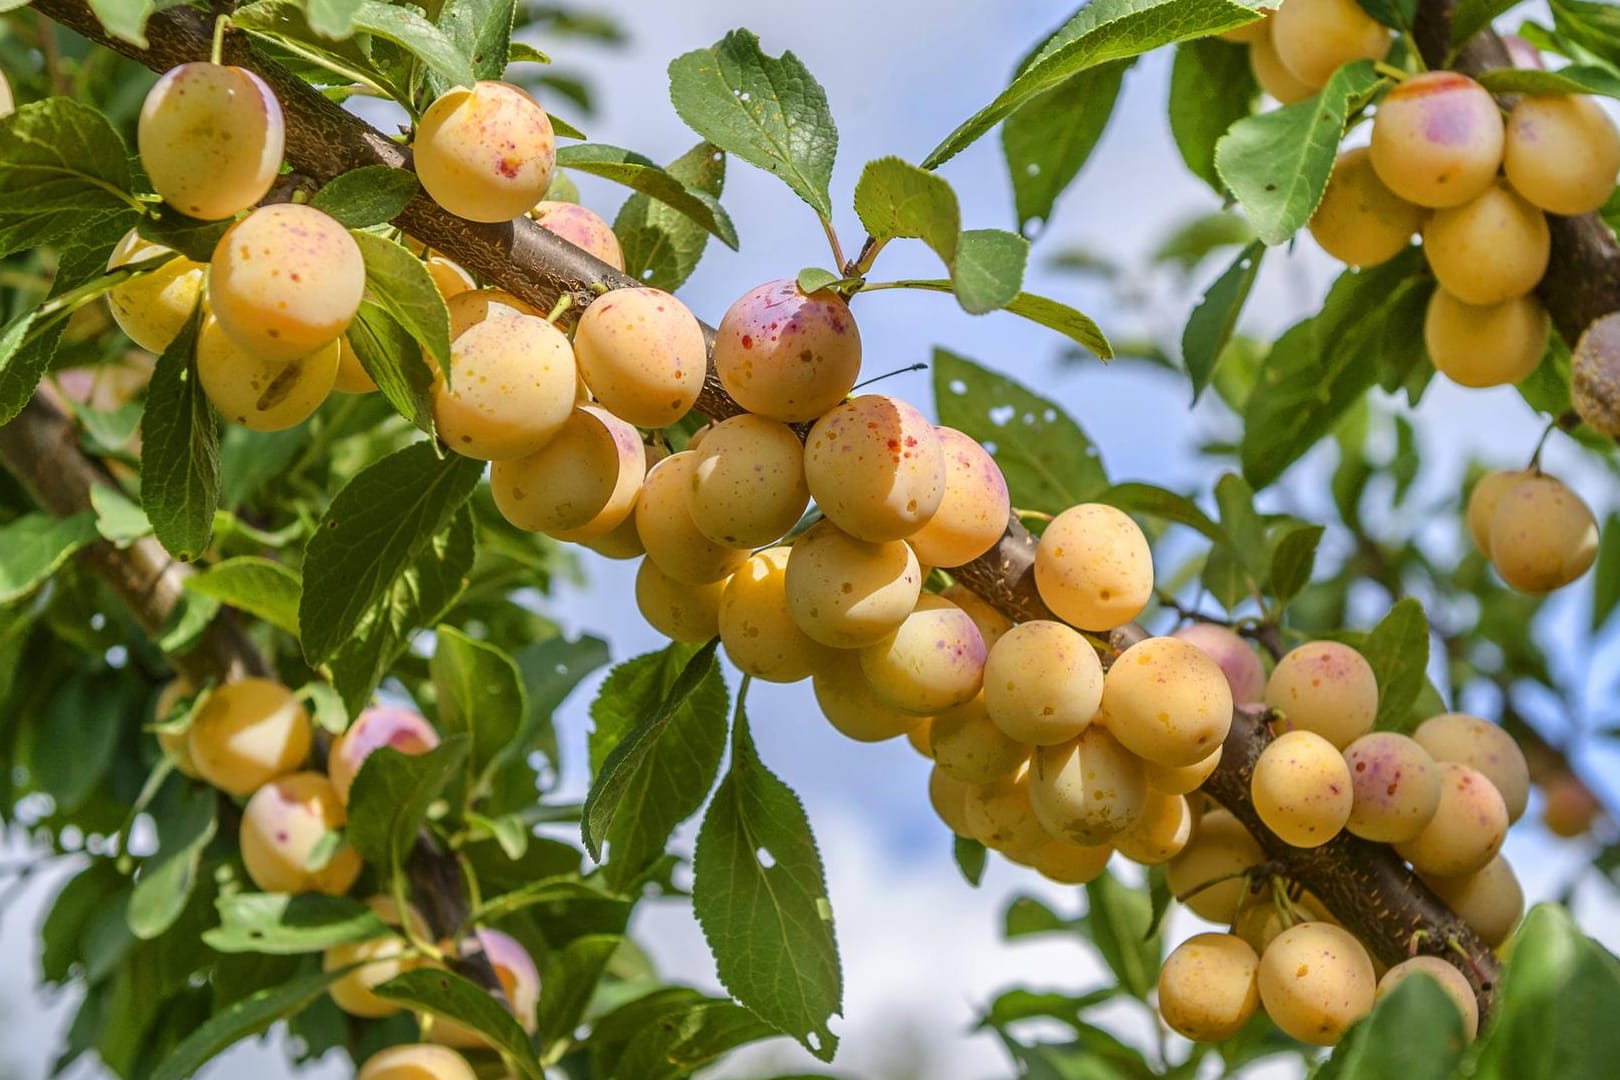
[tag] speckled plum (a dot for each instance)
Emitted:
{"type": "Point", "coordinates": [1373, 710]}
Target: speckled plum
{"type": "Point", "coordinates": [485, 152]}
{"type": "Point", "coordinates": [1220, 846]}
{"type": "Point", "coordinates": [1043, 683]}
{"type": "Point", "coordinates": [1467, 829]}
{"type": "Point", "coordinates": [1167, 701]}
{"type": "Point", "coordinates": [875, 468]}
{"type": "Point", "coordinates": [757, 629]}
{"type": "Point", "coordinates": [748, 485]}
{"type": "Point", "coordinates": [580, 485]}
{"type": "Point", "coordinates": [973, 512]}
{"type": "Point", "coordinates": [642, 354]}
{"type": "Point", "coordinates": [963, 741]}
{"type": "Point", "coordinates": [1480, 744]}
{"type": "Point", "coordinates": [281, 826]}
{"type": "Point", "coordinates": [664, 522]}
{"type": "Point", "coordinates": [211, 139]}
{"type": "Point", "coordinates": [847, 701]}
{"type": "Point", "coordinates": [932, 661]}
{"type": "Point", "coordinates": [1396, 786]}
{"type": "Point", "coordinates": [847, 593]}
{"type": "Point", "coordinates": [1160, 833]}
{"type": "Point", "coordinates": [1088, 790]}
{"type": "Point", "coordinates": [1543, 535]}
{"type": "Point", "coordinates": [1093, 567]}
{"type": "Point", "coordinates": [582, 227]}
{"type": "Point", "coordinates": [1315, 981]}
{"type": "Point", "coordinates": [1301, 789]}
{"type": "Point", "coordinates": [676, 609]}
{"type": "Point", "coordinates": [1000, 815]}
{"type": "Point", "coordinates": [1326, 687]}
{"type": "Point", "coordinates": [1238, 661]}
{"type": "Point", "coordinates": [1208, 987]}
{"type": "Point", "coordinates": [261, 393]}
{"type": "Point", "coordinates": [787, 355]}
{"type": "Point", "coordinates": [512, 390]}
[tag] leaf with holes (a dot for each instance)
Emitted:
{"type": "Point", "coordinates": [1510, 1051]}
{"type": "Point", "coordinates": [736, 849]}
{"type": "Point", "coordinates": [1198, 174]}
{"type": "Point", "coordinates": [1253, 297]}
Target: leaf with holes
{"type": "Point", "coordinates": [278, 924]}
{"type": "Point", "coordinates": [1049, 139]}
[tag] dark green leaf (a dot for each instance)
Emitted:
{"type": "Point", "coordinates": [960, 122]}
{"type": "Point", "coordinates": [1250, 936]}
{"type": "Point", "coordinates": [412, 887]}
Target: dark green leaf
{"type": "Point", "coordinates": [1118, 922]}
{"type": "Point", "coordinates": [194, 239]}
{"type": "Point", "coordinates": [1212, 322]}
{"type": "Point", "coordinates": [413, 33]}
{"type": "Point", "coordinates": [894, 199]}
{"type": "Point", "coordinates": [989, 269]}
{"type": "Point", "coordinates": [479, 693]}
{"type": "Point", "coordinates": [644, 175]}
{"type": "Point", "coordinates": [1573, 79]}
{"type": "Point", "coordinates": [25, 355]}
{"type": "Point", "coordinates": [1594, 26]}
{"type": "Point", "coordinates": [1157, 502]}
{"type": "Point", "coordinates": [1396, 14]}
{"type": "Point", "coordinates": [681, 1042]}
{"type": "Point", "coordinates": [447, 994]}
{"type": "Point", "coordinates": [1212, 87]}
{"type": "Point", "coordinates": [180, 452]}
{"type": "Point", "coordinates": [1398, 650]}
{"type": "Point", "coordinates": [391, 795]}
{"type": "Point", "coordinates": [35, 546]}
{"type": "Point", "coordinates": [277, 924]}
{"type": "Point", "coordinates": [400, 284]}
{"type": "Point", "coordinates": [1606, 581]}
{"type": "Point", "coordinates": [1292, 560]}
{"type": "Point", "coordinates": [185, 824]}
{"type": "Point", "coordinates": [481, 30]}
{"type": "Point", "coordinates": [1472, 16]}
{"type": "Point", "coordinates": [366, 196]}
{"type": "Point", "coordinates": [1048, 140]}
{"type": "Point", "coordinates": [768, 111]}
{"type": "Point", "coordinates": [61, 163]}
{"type": "Point", "coordinates": [395, 363]}
{"type": "Point", "coordinates": [662, 246]}
{"type": "Point", "coordinates": [249, 1016]}
{"type": "Point", "coordinates": [1414, 1032]}
{"type": "Point", "coordinates": [760, 894]}
{"type": "Point", "coordinates": [264, 589]}
{"type": "Point", "coordinates": [971, 857]}
{"type": "Point", "coordinates": [570, 976]}
{"type": "Point", "coordinates": [1243, 526]}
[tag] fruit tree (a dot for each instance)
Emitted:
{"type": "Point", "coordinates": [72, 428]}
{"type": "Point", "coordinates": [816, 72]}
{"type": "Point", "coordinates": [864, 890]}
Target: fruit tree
{"type": "Point", "coordinates": [318, 370]}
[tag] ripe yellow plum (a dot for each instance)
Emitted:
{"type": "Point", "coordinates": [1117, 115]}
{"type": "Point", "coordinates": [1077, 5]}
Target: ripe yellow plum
{"type": "Point", "coordinates": [1238, 662]}
{"type": "Point", "coordinates": [757, 629]}
{"type": "Point", "coordinates": [385, 725]}
{"type": "Point", "coordinates": [416, 1061]}
{"type": "Point", "coordinates": [384, 957]}
{"type": "Point", "coordinates": [1314, 38]}
{"type": "Point", "coordinates": [672, 538]}
{"type": "Point", "coordinates": [512, 389]}
{"type": "Point", "coordinates": [679, 611]}
{"type": "Point", "coordinates": [1070, 864]}
{"type": "Point", "coordinates": [1001, 816]}
{"type": "Point", "coordinates": [352, 376]}
{"type": "Point", "coordinates": [154, 307]}
{"type": "Point", "coordinates": [1360, 221]}
{"type": "Point", "coordinates": [1220, 847]}
{"type": "Point", "coordinates": [847, 593]}
{"type": "Point", "coordinates": [451, 280]}
{"type": "Point", "coordinates": [1437, 139]}
{"type": "Point", "coordinates": [1088, 790]}
{"type": "Point", "coordinates": [1301, 789]}
{"type": "Point", "coordinates": [1396, 784]}
{"type": "Point", "coordinates": [847, 701]}
{"type": "Point", "coordinates": [1562, 152]}
{"type": "Point", "coordinates": [1483, 501]}
{"type": "Point", "coordinates": [285, 281]}
{"type": "Point", "coordinates": [1182, 779]}
{"type": "Point", "coordinates": [1274, 78]}
{"type": "Point", "coordinates": [1594, 383]}
{"type": "Point", "coordinates": [641, 352]}
{"type": "Point", "coordinates": [1492, 345]}
{"type": "Point", "coordinates": [1161, 833]}
{"type": "Point", "coordinates": [1490, 249]}
{"type": "Point", "coordinates": [1167, 701]}
{"type": "Point", "coordinates": [787, 355]}
{"type": "Point", "coordinates": [875, 468]}
{"type": "Point", "coordinates": [1467, 829]}
{"type": "Point", "coordinates": [933, 660]}
{"type": "Point", "coordinates": [1480, 744]}
{"type": "Point", "coordinates": [259, 393]}
{"type": "Point", "coordinates": [1208, 987]}
{"type": "Point", "coordinates": [469, 308]}
{"type": "Point", "coordinates": [921, 738]}
{"type": "Point", "coordinates": [582, 227]}
{"type": "Point", "coordinates": [1568, 806]}
{"type": "Point", "coordinates": [485, 152]}
{"type": "Point", "coordinates": [748, 485]}
{"type": "Point", "coordinates": [973, 513]}
{"type": "Point", "coordinates": [963, 742]}
{"type": "Point", "coordinates": [581, 484]}
{"type": "Point", "coordinates": [1043, 683]}
{"type": "Point", "coordinates": [992, 624]}
{"type": "Point", "coordinates": [211, 138]}
{"type": "Point", "coordinates": [283, 823]}
{"type": "Point", "coordinates": [1315, 981]}
{"type": "Point", "coordinates": [247, 733]}
{"type": "Point", "coordinates": [1326, 687]}
{"type": "Point", "coordinates": [1093, 567]}
{"type": "Point", "coordinates": [8, 102]}
{"type": "Point", "coordinates": [1489, 900]}
{"type": "Point", "coordinates": [1543, 535]}
{"type": "Point", "coordinates": [948, 796]}
{"type": "Point", "coordinates": [1452, 981]}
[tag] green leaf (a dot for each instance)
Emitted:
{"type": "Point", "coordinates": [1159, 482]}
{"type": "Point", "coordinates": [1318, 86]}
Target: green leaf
{"type": "Point", "coordinates": [332, 18]}
{"type": "Point", "coordinates": [1212, 322]}
{"type": "Point", "coordinates": [814, 279]}
{"type": "Point", "coordinates": [123, 19]}
{"type": "Point", "coordinates": [366, 196]}
{"type": "Point", "coordinates": [249, 1016]}
{"type": "Point", "coordinates": [401, 285]}
{"type": "Point", "coordinates": [326, 706]}
{"type": "Point", "coordinates": [1099, 32]}
{"type": "Point", "coordinates": [653, 782]}
{"type": "Point", "coordinates": [413, 33]}
{"type": "Point", "coordinates": [118, 519]}
{"type": "Point", "coordinates": [1277, 163]}
{"type": "Point", "coordinates": [480, 693]}
{"type": "Point", "coordinates": [570, 976]}
{"type": "Point", "coordinates": [444, 993]}
{"type": "Point", "coordinates": [680, 1042]}
{"type": "Point", "coordinates": [61, 163]}
{"type": "Point", "coordinates": [1074, 325]}
{"type": "Point", "coordinates": [278, 924]}
{"type": "Point", "coordinates": [1398, 650]}
{"type": "Point", "coordinates": [25, 355]}
{"type": "Point", "coordinates": [194, 239]}
{"type": "Point", "coordinates": [760, 894]}
{"type": "Point", "coordinates": [84, 718]}
{"type": "Point", "coordinates": [550, 670]}
{"type": "Point", "coordinates": [391, 795]}
{"type": "Point", "coordinates": [180, 479]}
{"type": "Point", "coordinates": [989, 269]}
{"type": "Point", "coordinates": [185, 824]}
{"type": "Point", "coordinates": [481, 30]}
{"type": "Point", "coordinates": [261, 587]}
{"type": "Point", "coordinates": [35, 546]}
{"type": "Point", "coordinates": [1049, 462]}
{"type": "Point", "coordinates": [1414, 1032]}
{"type": "Point", "coordinates": [1396, 14]}
{"type": "Point", "coordinates": [1118, 921]}
{"type": "Point", "coordinates": [1605, 581]}
{"type": "Point", "coordinates": [662, 246]}
{"type": "Point", "coordinates": [1472, 16]}
{"type": "Point", "coordinates": [971, 857]}
{"type": "Point", "coordinates": [1292, 560]}
{"type": "Point", "coordinates": [1573, 79]}
{"type": "Point", "coordinates": [768, 111]}
{"type": "Point", "coordinates": [395, 363]}
{"type": "Point", "coordinates": [1591, 26]}
{"type": "Point", "coordinates": [894, 199]}
{"type": "Point", "coordinates": [1242, 525]}
{"type": "Point", "coordinates": [377, 526]}
{"type": "Point", "coordinates": [1157, 502]}
{"type": "Point", "coordinates": [1212, 87]}
{"type": "Point", "coordinates": [644, 175]}
{"type": "Point", "coordinates": [1048, 140]}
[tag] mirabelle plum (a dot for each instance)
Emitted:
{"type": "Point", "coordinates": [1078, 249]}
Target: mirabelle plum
{"type": "Point", "coordinates": [1326, 687]}
{"type": "Point", "coordinates": [1042, 683]}
{"type": "Point", "coordinates": [520, 985]}
{"type": "Point", "coordinates": [416, 1061]}
{"type": "Point", "coordinates": [921, 738]}
{"type": "Point", "coordinates": [247, 733]}
{"type": "Point", "coordinates": [756, 628]}
{"type": "Point", "coordinates": [1489, 900]}
{"type": "Point", "coordinates": [847, 701]}
{"type": "Point", "coordinates": [1208, 987]}
{"type": "Point", "coordinates": [1088, 790]}
{"type": "Point", "coordinates": [1396, 784]}
{"type": "Point", "coordinates": [512, 389]}
{"type": "Point", "coordinates": [847, 593]}
{"type": "Point", "coordinates": [384, 957]}
{"type": "Point", "coordinates": [1001, 817]}
{"type": "Point", "coordinates": [1483, 501]}
{"type": "Point", "coordinates": [384, 725]}
{"type": "Point", "coordinates": [283, 823]}
{"type": "Point", "coordinates": [1360, 221]}
{"type": "Point", "coordinates": [1543, 535]}
{"type": "Point", "coordinates": [1568, 806]}
{"type": "Point", "coordinates": [175, 744]}
{"type": "Point", "coordinates": [1093, 567]}
{"type": "Point", "coordinates": [1183, 779]}
{"type": "Point", "coordinates": [1480, 744]}
{"type": "Point", "coordinates": [1467, 829]}
{"type": "Point", "coordinates": [1301, 789]}
{"type": "Point", "coordinates": [1315, 981]}
{"type": "Point", "coordinates": [642, 354]}
{"type": "Point", "coordinates": [259, 393]}
{"type": "Point", "coordinates": [1161, 833]}
{"type": "Point", "coordinates": [582, 227]}
{"type": "Point", "coordinates": [1594, 383]}
{"type": "Point", "coordinates": [875, 468]}
{"type": "Point", "coordinates": [153, 308]}
{"type": "Point", "coordinates": [1493, 345]}
{"type": "Point", "coordinates": [679, 611]}
{"type": "Point", "coordinates": [748, 485]}
{"type": "Point", "coordinates": [992, 624]}
{"type": "Point", "coordinates": [787, 355]}
{"type": "Point", "coordinates": [485, 152]}
{"type": "Point", "coordinates": [468, 309]}
{"type": "Point", "coordinates": [1220, 846]}
{"type": "Point", "coordinates": [1244, 672]}
{"type": "Point", "coordinates": [623, 541]}
{"type": "Point", "coordinates": [1070, 864]}
{"type": "Point", "coordinates": [948, 796]}
{"type": "Point", "coordinates": [1274, 78]}
{"type": "Point", "coordinates": [450, 279]}
{"type": "Point", "coordinates": [581, 484]}
{"type": "Point", "coordinates": [973, 513]}
{"type": "Point", "coordinates": [352, 376]}
{"type": "Point", "coordinates": [673, 540]}
{"type": "Point", "coordinates": [1490, 249]}
{"type": "Point", "coordinates": [1314, 38]}
{"type": "Point", "coordinates": [933, 660]}
{"type": "Point", "coordinates": [964, 743]}
{"type": "Point", "coordinates": [1437, 139]}
{"type": "Point", "coordinates": [1562, 152]}
{"type": "Point", "coordinates": [1452, 981]}
{"type": "Point", "coordinates": [1167, 702]}
{"type": "Point", "coordinates": [211, 139]}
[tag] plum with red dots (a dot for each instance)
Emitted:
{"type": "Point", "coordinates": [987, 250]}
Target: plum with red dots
{"type": "Point", "coordinates": [933, 660]}
{"type": "Point", "coordinates": [973, 513]}
{"type": "Point", "coordinates": [1238, 662]}
{"type": "Point", "coordinates": [875, 468]}
{"type": "Point", "coordinates": [582, 227]}
{"type": "Point", "coordinates": [1395, 785]}
{"type": "Point", "coordinates": [786, 354]}
{"type": "Point", "coordinates": [211, 139]}
{"type": "Point", "coordinates": [485, 152]}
